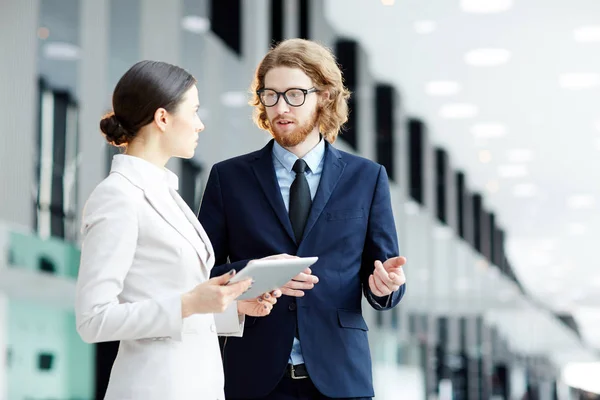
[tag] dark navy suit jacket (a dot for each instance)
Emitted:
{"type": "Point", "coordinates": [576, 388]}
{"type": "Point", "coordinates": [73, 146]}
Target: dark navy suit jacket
{"type": "Point", "coordinates": [349, 227]}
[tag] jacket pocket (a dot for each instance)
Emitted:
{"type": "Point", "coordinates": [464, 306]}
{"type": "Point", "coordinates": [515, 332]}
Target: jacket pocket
{"type": "Point", "coordinates": [336, 215]}
{"type": "Point", "coordinates": [352, 320]}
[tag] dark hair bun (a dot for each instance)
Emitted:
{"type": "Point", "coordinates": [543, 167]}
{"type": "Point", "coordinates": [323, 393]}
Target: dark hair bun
{"type": "Point", "coordinates": [114, 132]}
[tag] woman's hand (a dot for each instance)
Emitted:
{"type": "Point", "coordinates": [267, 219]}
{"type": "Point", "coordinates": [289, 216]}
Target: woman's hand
{"type": "Point", "coordinates": [260, 306]}
{"type": "Point", "coordinates": [213, 296]}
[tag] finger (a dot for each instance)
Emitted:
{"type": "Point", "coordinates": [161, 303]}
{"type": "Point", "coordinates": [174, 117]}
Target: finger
{"type": "Point", "coordinates": [379, 266]}
{"type": "Point", "coordinates": [395, 262]}
{"type": "Point", "coordinates": [381, 287]}
{"type": "Point", "coordinates": [302, 277]}
{"type": "Point", "coordinates": [373, 286]}
{"type": "Point", "coordinates": [299, 285]}
{"type": "Point", "coordinates": [398, 278]}
{"type": "Point", "coordinates": [292, 292]}
{"type": "Point", "coordinates": [276, 293]}
{"type": "Point", "coordinates": [269, 297]}
{"type": "Point", "coordinates": [381, 272]}
{"type": "Point", "coordinates": [270, 300]}
{"type": "Point", "coordinates": [223, 279]}
{"type": "Point", "coordinates": [385, 282]}
{"type": "Point", "coordinates": [235, 290]}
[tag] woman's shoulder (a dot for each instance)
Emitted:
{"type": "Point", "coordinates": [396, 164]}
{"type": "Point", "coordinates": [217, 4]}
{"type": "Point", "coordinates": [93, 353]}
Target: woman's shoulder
{"type": "Point", "coordinates": [114, 191]}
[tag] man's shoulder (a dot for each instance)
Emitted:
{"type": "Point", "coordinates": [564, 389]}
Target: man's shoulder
{"type": "Point", "coordinates": [241, 160]}
{"type": "Point", "coordinates": [356, 161]}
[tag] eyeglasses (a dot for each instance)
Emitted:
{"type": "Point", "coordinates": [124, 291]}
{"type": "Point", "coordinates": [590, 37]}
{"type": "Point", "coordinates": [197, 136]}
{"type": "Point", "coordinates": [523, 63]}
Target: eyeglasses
{"type": "Point", "coordinates": [294, 97]}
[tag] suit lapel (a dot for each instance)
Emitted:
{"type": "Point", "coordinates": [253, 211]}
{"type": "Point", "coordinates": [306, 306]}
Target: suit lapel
{"type": "Point", "coordinates": [265, 174]}
{"type": "Point", "coordinates": [333, 168]}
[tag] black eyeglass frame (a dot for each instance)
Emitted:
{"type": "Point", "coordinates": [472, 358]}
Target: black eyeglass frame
{"type": "Point", "coordinates": [284, 94]}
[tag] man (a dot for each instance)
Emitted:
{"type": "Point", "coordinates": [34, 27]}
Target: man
{"type": "Point", "coordinates": [301, 196]}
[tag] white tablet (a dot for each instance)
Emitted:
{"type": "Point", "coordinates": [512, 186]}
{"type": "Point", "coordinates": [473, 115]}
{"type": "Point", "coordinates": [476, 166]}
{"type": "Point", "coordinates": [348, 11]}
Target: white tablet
{"type": "Point", "coordinates": [269, 275]}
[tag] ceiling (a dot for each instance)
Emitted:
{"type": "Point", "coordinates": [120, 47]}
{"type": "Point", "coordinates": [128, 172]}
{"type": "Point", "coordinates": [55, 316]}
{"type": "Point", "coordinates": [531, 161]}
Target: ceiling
{"type": "Point", "coordinates": [539, 165]}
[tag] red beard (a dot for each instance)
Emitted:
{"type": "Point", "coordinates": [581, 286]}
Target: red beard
{"type": "Point", "coordinates": [298, 135]}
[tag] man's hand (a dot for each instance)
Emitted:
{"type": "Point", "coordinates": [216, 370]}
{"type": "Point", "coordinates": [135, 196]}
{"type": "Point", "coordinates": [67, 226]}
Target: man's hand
{"type": "Point", "coordinates": [303, 281]}
{"type": "Point", "coordinates": [387, 277]}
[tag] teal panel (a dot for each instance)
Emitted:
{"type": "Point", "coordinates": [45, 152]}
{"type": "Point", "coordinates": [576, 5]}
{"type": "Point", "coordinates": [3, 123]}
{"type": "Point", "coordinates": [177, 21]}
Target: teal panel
{"type": "Point", "coordinates": [48, 358]}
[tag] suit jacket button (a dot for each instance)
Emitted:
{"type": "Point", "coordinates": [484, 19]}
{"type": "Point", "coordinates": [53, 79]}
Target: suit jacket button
{"type": "Point", "coordinates": [292, 307]}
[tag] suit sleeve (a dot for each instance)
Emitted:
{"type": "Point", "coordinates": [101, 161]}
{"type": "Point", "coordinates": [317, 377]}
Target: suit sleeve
{"type": "Point", "coordinates": [110, 235]}
{"type": "Point", "coordinates": [214, 221]}
{"type": "Point", "coordinates": [381, 242]}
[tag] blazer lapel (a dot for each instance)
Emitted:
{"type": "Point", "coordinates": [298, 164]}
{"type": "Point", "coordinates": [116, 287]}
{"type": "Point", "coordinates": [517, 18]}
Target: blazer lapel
{"type": "Point", "coordinates": [159, 203]}
{"type": "Point", "coordinates": [265, 174]}
{"type": "Point", "coordinates": [196, 224]}
{"type": "Point", "coordinates": [333, 168]}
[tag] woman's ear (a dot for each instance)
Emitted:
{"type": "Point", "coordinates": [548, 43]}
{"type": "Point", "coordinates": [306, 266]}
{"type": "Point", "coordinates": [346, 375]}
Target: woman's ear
{"type": "Point", "coordinates": [160, 119]}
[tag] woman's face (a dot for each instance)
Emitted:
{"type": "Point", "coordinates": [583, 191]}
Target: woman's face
{"type": "Point", "coordinates": [181, 135]}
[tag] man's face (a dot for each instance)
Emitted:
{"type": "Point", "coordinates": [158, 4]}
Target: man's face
{"type": "Point", "coordinates": [291, 125]}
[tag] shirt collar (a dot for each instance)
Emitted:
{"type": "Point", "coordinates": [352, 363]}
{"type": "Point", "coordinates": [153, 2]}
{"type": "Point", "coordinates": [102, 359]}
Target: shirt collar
{"type": "Point", "coordinates": [313, 158]}
{"type": "Point", "coordinates": [148, 173]}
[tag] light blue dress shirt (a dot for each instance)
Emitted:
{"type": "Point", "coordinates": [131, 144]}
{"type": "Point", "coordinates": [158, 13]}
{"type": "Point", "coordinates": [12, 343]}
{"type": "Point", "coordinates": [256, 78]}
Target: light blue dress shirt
{"type": "Point", "coordinates": [283, 161]}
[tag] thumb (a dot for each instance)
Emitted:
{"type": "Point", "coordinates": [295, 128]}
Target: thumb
{"type": "Point", "coordinates": [223, 279]}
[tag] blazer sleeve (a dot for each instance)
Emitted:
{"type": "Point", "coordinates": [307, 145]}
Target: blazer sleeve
{"type": "Point", "coordinates": [110, 235]}
{"type": "Point", "coordinates": [381, 242]}
{"type": "Point", "coordinates": [214, 221]}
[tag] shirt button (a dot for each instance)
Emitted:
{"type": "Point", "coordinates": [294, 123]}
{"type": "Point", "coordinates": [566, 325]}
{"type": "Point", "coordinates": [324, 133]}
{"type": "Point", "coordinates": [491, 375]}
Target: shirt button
{"type": "Point", "coordinates": [292, 307]}
{"type": "Point", "coordinates": [213, 328]}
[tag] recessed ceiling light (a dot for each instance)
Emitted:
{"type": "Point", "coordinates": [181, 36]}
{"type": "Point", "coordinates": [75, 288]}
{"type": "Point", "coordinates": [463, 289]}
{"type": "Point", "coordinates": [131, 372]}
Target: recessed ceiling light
{"type": "Point", "coordinates": [234, 99]}
{"type": "Point", "coordinates": [458, 111]}
{"type": "Point", "coordinates": [512, 171]}
{"type": "Point", "coordinates": [442, 88]}
{"type": "Point", "coordinates": [487, 57]}
{"type": "Point", "coordinates": [388, 2]}
{"type": "Point", "coordinates": [520, 155]}
{"type": "Point", "coordinates": [488, 131]}
{"type": "Point", "coordinates": [580, 201]}
{"type": "Point", "coordinates": [587, 34]}
{"type": "Point", "coordinates": [576, 229]}
{"type": "Point", "coordinates": [61, 51]}
{"type": "Point", "coordinates": [43, 33]}
{"type": "Point", "coordinates": [579, 80]}
{"type": "Point", "coordinates": [492, 186]}
{"type": "Point", "coordinates": [424, 27]}
{"type": "Point", "coordinates": [195, 24]}
{"type": "Point", "coordinates": [485, 156]}
{"type": "Point", "coordinates": [485, 6]}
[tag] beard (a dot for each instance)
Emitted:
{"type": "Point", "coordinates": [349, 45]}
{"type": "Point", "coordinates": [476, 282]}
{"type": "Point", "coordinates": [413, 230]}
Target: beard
{"type": "Point", "coordinates": [299, 134]}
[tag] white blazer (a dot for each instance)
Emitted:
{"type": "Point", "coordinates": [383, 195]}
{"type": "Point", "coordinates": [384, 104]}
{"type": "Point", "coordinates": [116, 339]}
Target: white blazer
{"type": "Point", "coordinates": [142, 249]}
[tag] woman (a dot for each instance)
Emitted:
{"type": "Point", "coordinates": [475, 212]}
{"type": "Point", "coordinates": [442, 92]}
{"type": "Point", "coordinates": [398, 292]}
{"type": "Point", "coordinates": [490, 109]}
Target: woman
{"type": "Point", "coordinates": [146, 260]}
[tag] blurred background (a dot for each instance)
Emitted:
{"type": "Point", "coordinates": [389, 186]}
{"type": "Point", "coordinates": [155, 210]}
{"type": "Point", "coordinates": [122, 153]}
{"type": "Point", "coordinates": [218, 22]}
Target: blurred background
{"type": "Point", "coordinates": [484, 112]}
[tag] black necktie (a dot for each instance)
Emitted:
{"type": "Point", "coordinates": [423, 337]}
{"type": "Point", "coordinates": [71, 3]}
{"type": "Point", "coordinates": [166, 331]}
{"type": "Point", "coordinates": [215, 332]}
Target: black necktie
{"type": "Point", "coordinates": [300, 200]}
